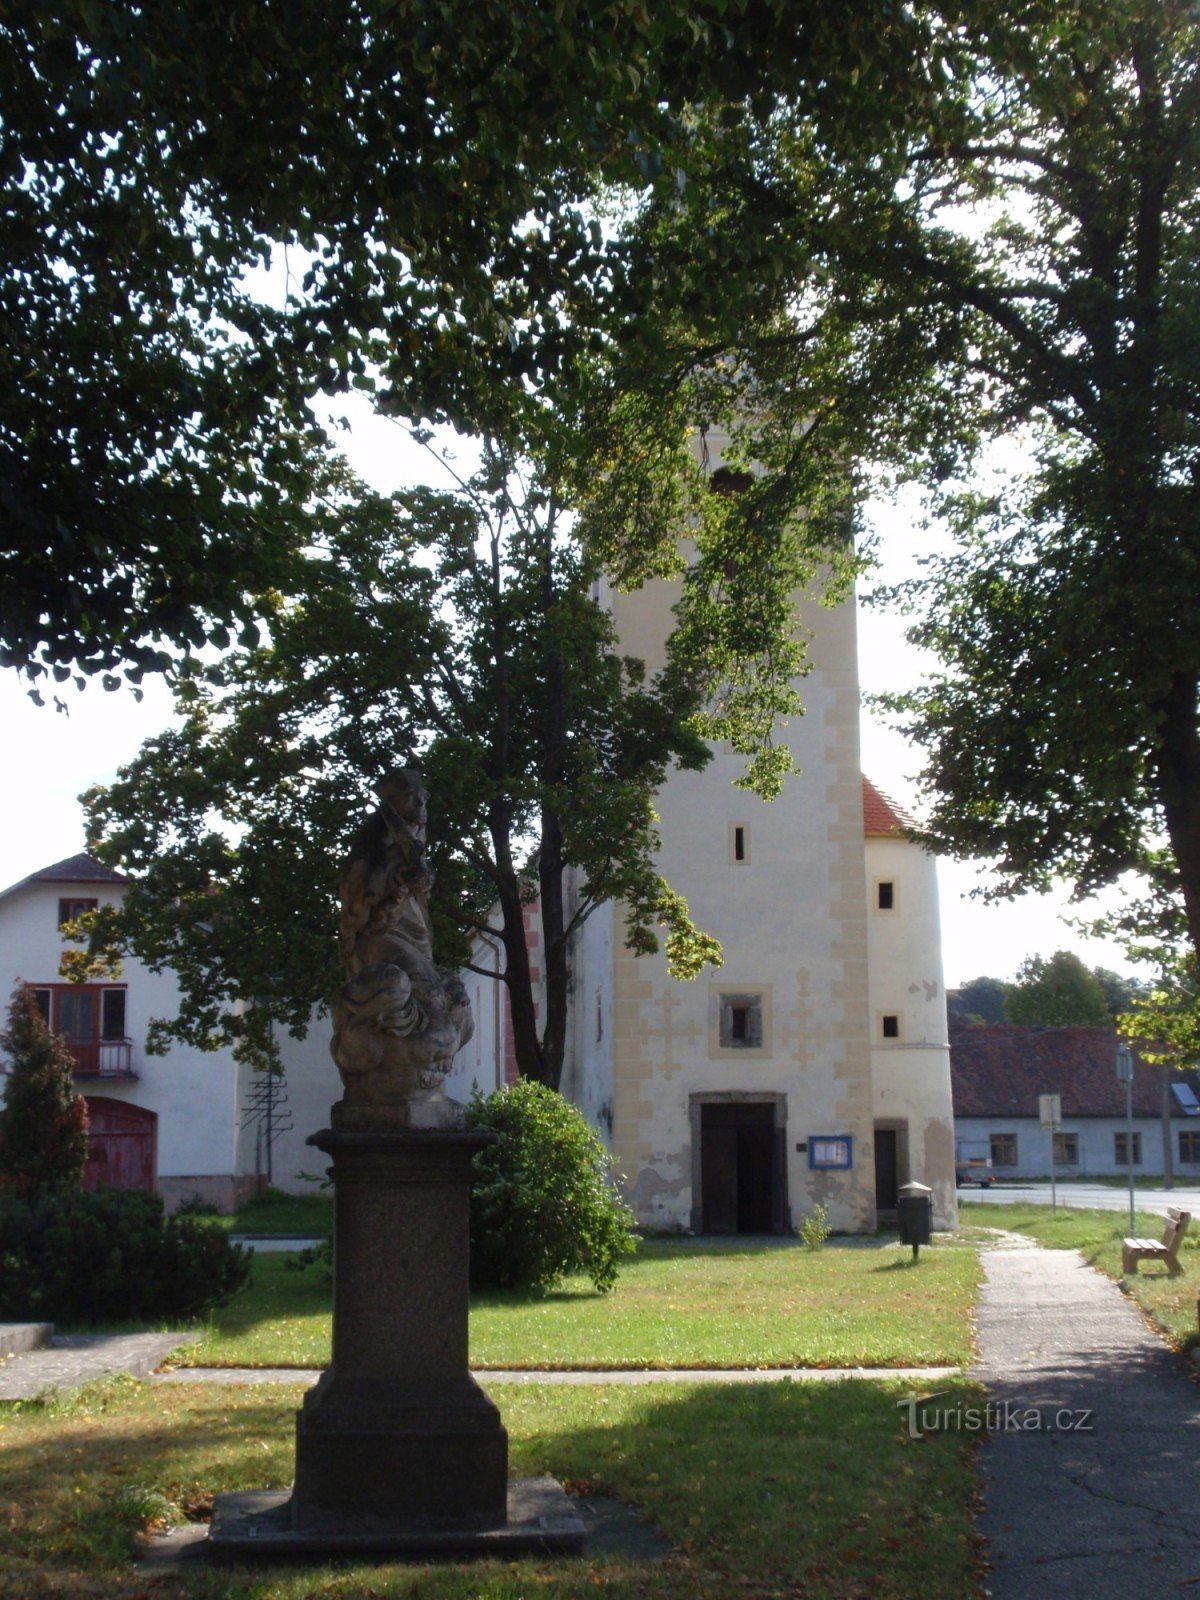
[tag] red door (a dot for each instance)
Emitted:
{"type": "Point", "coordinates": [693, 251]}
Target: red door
{"type": "Point", "coordinates": [121, 1144]}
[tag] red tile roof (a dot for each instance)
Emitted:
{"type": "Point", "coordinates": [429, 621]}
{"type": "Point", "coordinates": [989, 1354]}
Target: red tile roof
{"type": "Point", "coordinates": [82, 868]}
{"type": "Point", "coordinates": [883, 818]}
{"type": "Point", "coordinates": [999, 1070]}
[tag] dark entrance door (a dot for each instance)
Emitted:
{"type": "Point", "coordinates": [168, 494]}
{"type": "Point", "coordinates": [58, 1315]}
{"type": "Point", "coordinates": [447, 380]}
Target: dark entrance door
{"type": "Point", "coordinates": [741, 1175]}
{"type": "Point", "coordinates": [886, 1170]}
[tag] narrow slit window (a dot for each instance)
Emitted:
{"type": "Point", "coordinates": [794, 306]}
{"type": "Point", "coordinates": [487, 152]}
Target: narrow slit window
{"type": "Point", "coordinates": [887, 895]}
{"type": "Point", "coordinates": [739, 844]}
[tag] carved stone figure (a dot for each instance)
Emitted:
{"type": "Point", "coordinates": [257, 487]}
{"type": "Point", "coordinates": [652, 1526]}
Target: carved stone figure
{"type": "Point", "coordinates": [399, 1019]}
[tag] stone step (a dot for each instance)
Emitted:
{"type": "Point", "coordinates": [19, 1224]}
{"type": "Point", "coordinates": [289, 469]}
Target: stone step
{"type": "Point", "coordinates": [17, 1337]}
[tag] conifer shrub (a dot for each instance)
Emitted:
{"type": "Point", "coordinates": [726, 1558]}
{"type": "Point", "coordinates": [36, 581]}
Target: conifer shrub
{"type": "Point", "coordinates": [543, 1201]}
{"type": "Point", "coordinates": [111, 1256]}
{"type": "Point", "coordinates": [43, 1122]}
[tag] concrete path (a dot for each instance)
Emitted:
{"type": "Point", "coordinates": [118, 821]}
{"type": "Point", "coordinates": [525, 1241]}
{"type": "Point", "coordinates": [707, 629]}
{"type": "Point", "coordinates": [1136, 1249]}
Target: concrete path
{"type": "Point", "coordinates": [1092, 1457]}
{"type": "Point", "coordinates": [72, 1359]}
{"type": "Point", "coordinates": [489, 1376]}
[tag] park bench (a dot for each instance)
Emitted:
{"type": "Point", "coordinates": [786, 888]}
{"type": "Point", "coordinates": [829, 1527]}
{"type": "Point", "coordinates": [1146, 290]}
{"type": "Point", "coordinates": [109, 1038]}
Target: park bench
{"type": "Point", "coordinates": [1135, 1250]}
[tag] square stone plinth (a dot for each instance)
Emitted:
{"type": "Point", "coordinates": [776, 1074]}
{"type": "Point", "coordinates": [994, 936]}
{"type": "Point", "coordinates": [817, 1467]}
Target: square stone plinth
{"type": "Point", "coordinates": [257, 1524]}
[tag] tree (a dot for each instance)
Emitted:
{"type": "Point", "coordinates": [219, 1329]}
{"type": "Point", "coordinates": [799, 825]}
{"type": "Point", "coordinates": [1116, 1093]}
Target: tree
{"type": "Point", "coordinates": [980, 999]}
{"type": "Point", "coordinates": [43, 1123]}
{"type": "Point", "coordinates": [1062, 725]}
{"type": "Point", "coordinates": [158, 457]}
{"type": "Point", "coordinates": [1056, 993]}
{"type": "Point", "coordinates": [456, 630]}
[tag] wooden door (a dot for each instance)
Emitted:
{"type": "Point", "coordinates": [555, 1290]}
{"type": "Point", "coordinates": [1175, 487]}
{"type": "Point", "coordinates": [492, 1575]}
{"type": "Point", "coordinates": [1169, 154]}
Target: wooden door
{"type": "Point", "coordinates": [121, 1145]}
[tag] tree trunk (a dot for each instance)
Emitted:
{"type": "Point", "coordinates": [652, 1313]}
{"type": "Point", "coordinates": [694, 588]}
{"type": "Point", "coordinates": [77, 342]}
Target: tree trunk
{"type": "Point", "coordinates": [1177, 773]}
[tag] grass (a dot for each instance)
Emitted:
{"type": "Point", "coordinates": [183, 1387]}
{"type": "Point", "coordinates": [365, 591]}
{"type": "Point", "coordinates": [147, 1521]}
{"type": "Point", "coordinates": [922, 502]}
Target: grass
{"type": "Point", "coordinates": [272, 1211]}
{"type": "Point", "coordinates": [1171, 1302]}
{"type": "Point", "coordinates": [677, 1304]}
{"type": "Point", "coordinates": [764, 1490]}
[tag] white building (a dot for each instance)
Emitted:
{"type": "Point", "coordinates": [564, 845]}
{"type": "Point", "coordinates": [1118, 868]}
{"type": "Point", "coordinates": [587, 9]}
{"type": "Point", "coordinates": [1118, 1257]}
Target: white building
{"type": "Point", "coordinates": [184, 1123]}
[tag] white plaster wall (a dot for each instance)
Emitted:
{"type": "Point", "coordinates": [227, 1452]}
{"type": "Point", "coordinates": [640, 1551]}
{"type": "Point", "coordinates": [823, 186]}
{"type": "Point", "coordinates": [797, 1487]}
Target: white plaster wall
{"type": "Point", "coordinates": [911, 1074]}
{"type": "Point", "coordinates": [1095, 1134]}
{"type": "Point", "coordinates": [480, 1062]}
{"type": "Point", "coordinates": [791, 918]}
{"type": "Point", "coordinates": [588, 1070]}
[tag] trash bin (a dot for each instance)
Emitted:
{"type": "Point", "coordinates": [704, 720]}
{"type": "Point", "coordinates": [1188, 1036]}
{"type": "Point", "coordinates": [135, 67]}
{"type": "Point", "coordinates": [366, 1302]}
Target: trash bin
{"type": "Point", "coordinates": [914, 1207]}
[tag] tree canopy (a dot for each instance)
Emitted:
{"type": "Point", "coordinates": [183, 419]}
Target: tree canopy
{"type": "Point", "coordinates": [1062, 723]}
{"type": "Point", "coordinates": [426, 178]}
{"type": "Point", "coordinates": [1056, 992]}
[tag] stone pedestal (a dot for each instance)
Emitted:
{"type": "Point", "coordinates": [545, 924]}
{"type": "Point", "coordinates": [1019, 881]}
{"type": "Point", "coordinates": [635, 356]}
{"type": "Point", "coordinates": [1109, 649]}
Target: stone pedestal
{"type": "Point", "coordinates": [398, 1449]}
{"type": "Point", "coordinates": [397, 1432]}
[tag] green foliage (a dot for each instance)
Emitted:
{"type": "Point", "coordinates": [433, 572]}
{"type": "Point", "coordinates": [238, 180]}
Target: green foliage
{"type": "Point", "coordinates": [111, 1256]}
{"type": "Point", "coordinates": [980, 999]}
{"type": "Point", "coordinates": [815, 1229]}
{"type": "Point", "coordinates": [1062, 726]}
{"type": "Point", "coordinates": [43, 1122]}
{"type": "Point", "coordinates": [543, 1203]}
{"type": "Point", "coordinates": [457, 629]}
{"type": "Point", "coordinates": [1056, 993]}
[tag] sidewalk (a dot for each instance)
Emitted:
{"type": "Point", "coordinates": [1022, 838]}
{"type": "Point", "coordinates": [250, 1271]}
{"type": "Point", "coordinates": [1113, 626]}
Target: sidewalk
{"type": "Point", "coordinates": [1107, 1504]}
{"type": "Point", "coordinates": [71, 1359]}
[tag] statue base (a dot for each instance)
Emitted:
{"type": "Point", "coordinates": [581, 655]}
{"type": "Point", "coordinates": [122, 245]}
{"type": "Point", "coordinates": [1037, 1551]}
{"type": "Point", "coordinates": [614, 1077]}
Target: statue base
{"type": "Point", "coordinates": [398, 1449]}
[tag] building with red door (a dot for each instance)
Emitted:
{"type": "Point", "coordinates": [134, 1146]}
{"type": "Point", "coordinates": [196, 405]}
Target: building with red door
{"type": "Point", "coordinates": [186, 1123]}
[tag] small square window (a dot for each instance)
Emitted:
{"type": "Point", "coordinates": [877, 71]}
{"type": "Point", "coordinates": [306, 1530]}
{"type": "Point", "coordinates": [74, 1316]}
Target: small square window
{"type": "Point", "coordinates": [741, 1022]}
{"type": "Point", "coordinates": [1121, 1150]}
{"type": "Point", "coordinates": [1004, 1149]}
{"type": "Point", "coordinates": [1189, 1144]}
{"type": "Point", "coordinates": [70, 910]}
{"type": "Point", "coordinates": [1066, 1149]}
{"type": "Point", "coordinates": [891, 1027]}
{"type": "Point", "coordinates": [885, 897]}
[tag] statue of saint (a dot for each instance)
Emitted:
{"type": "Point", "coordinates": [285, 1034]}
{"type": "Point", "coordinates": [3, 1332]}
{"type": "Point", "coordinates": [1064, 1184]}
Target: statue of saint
{"type": "Point", "coordinates": [399, 1019]}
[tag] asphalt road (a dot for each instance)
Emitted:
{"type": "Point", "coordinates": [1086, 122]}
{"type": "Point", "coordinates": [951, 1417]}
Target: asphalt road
{"type": "Point", "coordinates": [1091, 1196]}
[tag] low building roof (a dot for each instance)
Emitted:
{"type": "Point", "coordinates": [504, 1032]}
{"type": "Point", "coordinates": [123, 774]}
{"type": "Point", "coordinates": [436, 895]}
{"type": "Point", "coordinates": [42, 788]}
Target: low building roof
{"type": "Point", "coordinates": [882, 817]}
{"type": "Point", "coordinates": [83, 868]}
{"type": "Point", "coordinates": [1000, 1069]}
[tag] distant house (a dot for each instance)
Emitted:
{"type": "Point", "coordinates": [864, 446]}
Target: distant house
{"type": "Point", "coordinates": [189, 1122]}
{"type": "Point", "coordinates": [999, 1071]}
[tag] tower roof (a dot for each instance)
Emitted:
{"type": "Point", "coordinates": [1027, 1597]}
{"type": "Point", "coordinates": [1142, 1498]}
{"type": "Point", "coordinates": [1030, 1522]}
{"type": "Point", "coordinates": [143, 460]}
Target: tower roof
{"type": "Point", "coordinates": [882, 817]}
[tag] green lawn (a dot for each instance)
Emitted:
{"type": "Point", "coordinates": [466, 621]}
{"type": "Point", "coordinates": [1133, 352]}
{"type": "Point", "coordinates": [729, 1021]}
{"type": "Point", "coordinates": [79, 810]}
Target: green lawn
{"type": "Point", "coordinates": [778, 1489]}
{"type": "Point", "coordinates": [1171, 1302]}
{"type": "Point", "coordinates": [677, 1304]}
{"type": "Point", "coordinates": [276, 1212]}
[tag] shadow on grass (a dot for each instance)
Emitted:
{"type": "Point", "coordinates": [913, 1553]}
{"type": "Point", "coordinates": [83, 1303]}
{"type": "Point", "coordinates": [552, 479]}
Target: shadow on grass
{"type": "Point", "coordinates": [804, 1487]}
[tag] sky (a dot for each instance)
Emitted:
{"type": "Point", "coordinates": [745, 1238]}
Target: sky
{"type": "Point", "coordinates": [55, 756]}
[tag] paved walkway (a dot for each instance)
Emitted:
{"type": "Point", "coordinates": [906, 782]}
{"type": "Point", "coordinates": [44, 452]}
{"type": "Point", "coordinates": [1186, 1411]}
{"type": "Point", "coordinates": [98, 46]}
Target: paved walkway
{"type": "Point", "coordinates": [489, 1376]}
{"type": "Point", "coordinates": [71, 1359]}
{"type": "Point", "coordinates": [1092, 1475]}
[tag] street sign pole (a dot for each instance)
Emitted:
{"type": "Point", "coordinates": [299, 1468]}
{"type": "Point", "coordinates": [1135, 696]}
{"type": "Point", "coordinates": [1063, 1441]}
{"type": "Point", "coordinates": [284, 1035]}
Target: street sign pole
{"type": "Point", "coordinates": [1050, 1117]}
{"type": "Point", "coordinates": [1125, 1076]}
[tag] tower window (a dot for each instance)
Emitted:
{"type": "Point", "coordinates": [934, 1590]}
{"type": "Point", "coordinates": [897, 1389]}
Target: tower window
{"type": "Point", "coordinates": [739, 843]}
{"type": "Point", "coordinates": [741, 1021]}
{"type": "Point", "coordinates": [886, 895]}
{"type": "Point", "coordinates": [891, 1027]}
{"type": "Point", "coordinates": [70, 910]}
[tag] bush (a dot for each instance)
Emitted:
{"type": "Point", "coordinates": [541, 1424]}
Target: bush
{"type": "Point", "coordinates": [815, 1229]}
{"type": "Point", "coordinates": [542, 1201]}
{"type": "Point", "coordinates": [111, 1256]}
{"type": "Point", "coordinates": [43, 1122]}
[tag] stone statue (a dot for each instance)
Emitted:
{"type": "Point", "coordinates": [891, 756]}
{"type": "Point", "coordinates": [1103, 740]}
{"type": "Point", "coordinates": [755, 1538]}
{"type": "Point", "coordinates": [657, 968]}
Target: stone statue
{"type": "Point", "coordinates": [399, 1019]}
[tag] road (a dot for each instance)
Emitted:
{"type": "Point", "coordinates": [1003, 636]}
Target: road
{"type": "Point", "coordinates": [1096, 1196]}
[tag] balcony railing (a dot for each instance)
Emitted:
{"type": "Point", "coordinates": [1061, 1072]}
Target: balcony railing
{"type": "Point", "coordinates": [102, 1058]}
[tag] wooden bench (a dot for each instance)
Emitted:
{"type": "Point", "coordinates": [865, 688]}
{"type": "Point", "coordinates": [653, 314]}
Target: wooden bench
{"type": "Point", "coordinates": [1135, 1250]}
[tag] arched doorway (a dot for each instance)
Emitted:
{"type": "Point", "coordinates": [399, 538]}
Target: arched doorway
{"type": "Point", "coordinates": [122, 1142]}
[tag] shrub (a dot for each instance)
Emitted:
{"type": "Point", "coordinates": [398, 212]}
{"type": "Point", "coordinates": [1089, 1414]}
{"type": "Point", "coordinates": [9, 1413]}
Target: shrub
{"type": "Point", "coordinates": [111, 1256]}
{"type": "Point", "coordinates": [815, 1229]}
{"type": "Point", "coordinates": [542, 1201]}
{"type": "Point", "coordinates": [43, 1122]}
